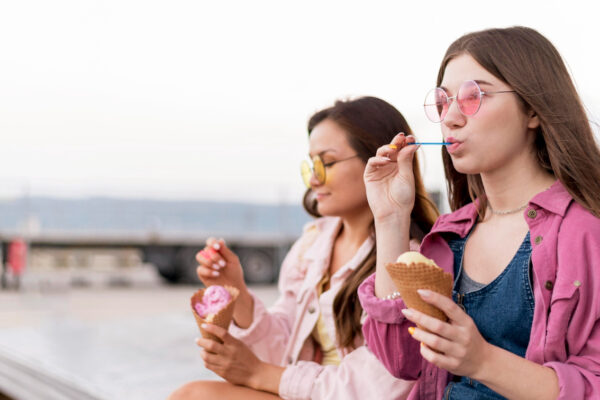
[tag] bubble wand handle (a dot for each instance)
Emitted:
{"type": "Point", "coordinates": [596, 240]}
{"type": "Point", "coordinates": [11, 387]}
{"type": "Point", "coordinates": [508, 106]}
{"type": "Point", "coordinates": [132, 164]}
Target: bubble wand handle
{"type": "Point", "coordinates": [432, 143]}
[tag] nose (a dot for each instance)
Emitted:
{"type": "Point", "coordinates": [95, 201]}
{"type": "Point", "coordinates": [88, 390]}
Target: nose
{"type": "Point", "coordinates": [314, 182]}
{"type": "Point", "coordinates": [454, 118]}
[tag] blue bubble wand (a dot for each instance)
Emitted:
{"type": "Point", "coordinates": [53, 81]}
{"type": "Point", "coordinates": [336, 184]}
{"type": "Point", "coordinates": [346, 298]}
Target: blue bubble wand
{"type": "Point", "coordinates": [431, 143]}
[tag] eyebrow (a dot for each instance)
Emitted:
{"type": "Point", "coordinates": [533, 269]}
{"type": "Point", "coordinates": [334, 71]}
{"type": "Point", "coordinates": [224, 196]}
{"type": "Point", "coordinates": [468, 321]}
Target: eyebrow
{"type": "Point", "coordinates": [482, 82]}
{"type": "Point", "coordinates": [478, 81]}
{"type": "Point", "coordinates": [323, 152]}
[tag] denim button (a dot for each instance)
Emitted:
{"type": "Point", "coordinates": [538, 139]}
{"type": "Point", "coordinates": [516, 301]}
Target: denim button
{"type": "Point", "coordinates": [532, 213]}
{"type": "Point", "coordinates": [549, 285]}
{"type": "Point", "coordinates": [538, 239]}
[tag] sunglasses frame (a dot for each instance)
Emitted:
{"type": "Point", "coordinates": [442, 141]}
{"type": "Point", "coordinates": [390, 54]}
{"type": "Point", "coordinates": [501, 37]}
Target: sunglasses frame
{"type": "Point", "coordinates": [450, 100]}
{"type": "Point", "coordinates": [307, 171]}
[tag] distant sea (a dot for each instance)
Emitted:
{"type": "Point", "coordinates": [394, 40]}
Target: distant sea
{"type": "Point", "coordinates": [110, 214]}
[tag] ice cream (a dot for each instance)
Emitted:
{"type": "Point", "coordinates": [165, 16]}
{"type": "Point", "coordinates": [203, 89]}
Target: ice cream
{"type": "Point", "coordinates": [413, 257]}
{"type": "Point", "coordinates": [215, 298]}
{"type": "Point", "coordinates": [413, 271]}
{"type": "Point", "coordinates": [214, 305]}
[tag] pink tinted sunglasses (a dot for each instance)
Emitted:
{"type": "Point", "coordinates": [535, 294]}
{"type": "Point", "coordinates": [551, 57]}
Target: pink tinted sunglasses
{"type": "Point", "coordinates": [437, 102]}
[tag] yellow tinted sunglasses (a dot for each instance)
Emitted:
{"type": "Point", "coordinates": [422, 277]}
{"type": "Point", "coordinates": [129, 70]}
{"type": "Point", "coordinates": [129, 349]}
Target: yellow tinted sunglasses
{"type": "Point", "coordinates": [317, 168]}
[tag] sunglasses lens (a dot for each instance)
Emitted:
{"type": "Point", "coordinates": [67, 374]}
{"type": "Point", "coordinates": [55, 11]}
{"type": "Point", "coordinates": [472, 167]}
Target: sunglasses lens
{"type": "Point", "coordinates": [469, 98]}
{"type": "Point", "coordinates": [436, 105]}
{"type": "Point", "coordinates": [319, 169]}
{"type": "Point", "coordinates": [306, 172]}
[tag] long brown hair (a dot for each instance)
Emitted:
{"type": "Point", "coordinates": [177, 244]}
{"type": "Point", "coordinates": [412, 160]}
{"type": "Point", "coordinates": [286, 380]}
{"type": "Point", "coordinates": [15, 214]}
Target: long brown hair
{"type": "Point", "coordinates": [369, 123]}
{"type": "Point", "coordinates": [564, 143]}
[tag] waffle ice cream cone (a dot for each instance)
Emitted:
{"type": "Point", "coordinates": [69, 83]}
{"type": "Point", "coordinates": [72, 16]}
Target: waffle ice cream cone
{"type": "Point", "coordinates": [221, 318]}
{"type": "Point", "coordinates": [414, 271]}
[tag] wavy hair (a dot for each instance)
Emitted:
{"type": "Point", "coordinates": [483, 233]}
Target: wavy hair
{"type": "Point", "coordinates": [564, 144]}
{"type": "Point", "coordinates": [369, 123]}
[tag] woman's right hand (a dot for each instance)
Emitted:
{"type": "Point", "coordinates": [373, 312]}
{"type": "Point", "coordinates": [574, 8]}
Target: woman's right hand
{"type": "Point", "coordinates": [219, 265]}
{"type": "Point", "coordinates": [389, 178]}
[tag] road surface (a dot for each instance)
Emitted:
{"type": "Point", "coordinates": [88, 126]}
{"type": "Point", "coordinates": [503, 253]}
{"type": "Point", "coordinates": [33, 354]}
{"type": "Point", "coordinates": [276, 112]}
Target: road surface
{"type": "Point", "coordinates": [100, 342]}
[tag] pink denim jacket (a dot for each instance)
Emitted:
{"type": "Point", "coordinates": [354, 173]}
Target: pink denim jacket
{"type": "Point", "coordinates": [281, 335]}
{"type": "Point", "coordinates": [565, 334]}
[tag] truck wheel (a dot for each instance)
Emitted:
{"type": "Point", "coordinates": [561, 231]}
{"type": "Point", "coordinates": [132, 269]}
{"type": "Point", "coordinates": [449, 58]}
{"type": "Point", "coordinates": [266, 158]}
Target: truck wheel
{"type": "Point", "coordinates": [258, 266]}
{"type": "Point", "coordinates": [187, 264]}
{"type": "Point", "coordinates": [163, 259]}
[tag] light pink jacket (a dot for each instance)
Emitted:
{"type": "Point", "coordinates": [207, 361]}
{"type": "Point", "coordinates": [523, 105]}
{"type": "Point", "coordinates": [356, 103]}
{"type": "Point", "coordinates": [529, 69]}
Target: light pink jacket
{"type": "Point", "coordinates": [565, 334]}
{"type": "Point", "coordinates": [279, 335]}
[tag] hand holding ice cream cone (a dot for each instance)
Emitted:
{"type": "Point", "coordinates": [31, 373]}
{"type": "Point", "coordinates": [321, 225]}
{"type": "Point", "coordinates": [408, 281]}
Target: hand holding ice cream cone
{"type": "Point", "coordinates": [219, 265]}
{"type": "Point", "coordinates": [413, 271]}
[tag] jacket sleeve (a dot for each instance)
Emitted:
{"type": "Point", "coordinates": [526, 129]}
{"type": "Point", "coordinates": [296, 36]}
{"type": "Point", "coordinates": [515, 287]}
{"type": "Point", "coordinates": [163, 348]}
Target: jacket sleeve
{"type": "Point", "coordinates": [359, 376]}
{"type": "Point", "coordinates": [579, 376]}
{"type": "Point", "coordinates": [386, 333]}
{"type": "Point", "coordinates": [270, 330]}
{"type": "Point", "coordinates": [573, 331]}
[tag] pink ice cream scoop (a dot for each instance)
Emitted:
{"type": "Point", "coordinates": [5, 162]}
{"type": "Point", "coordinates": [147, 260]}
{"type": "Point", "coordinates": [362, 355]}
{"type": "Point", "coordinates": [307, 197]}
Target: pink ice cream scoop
{"type": "Point", "coordinates": [214, 299]}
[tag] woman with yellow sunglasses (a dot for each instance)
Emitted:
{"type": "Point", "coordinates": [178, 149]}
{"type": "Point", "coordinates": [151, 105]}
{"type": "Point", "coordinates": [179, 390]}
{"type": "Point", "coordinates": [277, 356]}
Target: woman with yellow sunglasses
{"type": "Point", "coordinates": [309, 344]}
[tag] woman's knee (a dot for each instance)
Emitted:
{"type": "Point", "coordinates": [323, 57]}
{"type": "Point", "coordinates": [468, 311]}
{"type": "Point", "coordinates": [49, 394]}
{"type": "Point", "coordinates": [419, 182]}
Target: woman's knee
{"type": "Point", "coordinates": [197, 390]}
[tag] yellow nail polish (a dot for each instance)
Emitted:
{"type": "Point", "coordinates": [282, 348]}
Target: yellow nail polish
{"type": "Point", "coordinates": [422, 344]}
{"type": "Point", "coordinates": [411, 330]}
{"type": "Point", "coordinates": [393, 146]}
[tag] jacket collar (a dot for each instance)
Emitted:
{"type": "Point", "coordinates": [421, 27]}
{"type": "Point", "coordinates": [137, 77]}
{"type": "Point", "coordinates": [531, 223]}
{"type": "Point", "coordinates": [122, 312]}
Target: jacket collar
{"type": "Point", "coordinates": [327, 229]}
{"type": "Point", "coordinates": [555, 199]}
{"type": "Point", "coordinates": [460, 221]}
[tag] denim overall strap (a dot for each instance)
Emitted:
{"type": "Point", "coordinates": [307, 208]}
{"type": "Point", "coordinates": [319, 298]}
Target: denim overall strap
{"type": "Point", "coordinates": [502, 311]}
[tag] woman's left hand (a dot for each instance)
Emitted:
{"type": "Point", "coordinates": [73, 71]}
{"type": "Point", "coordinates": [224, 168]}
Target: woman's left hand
{"type": "Point", "coordinates": [232, 360]}
{"type": "Point", "coordinates": [456, 345]}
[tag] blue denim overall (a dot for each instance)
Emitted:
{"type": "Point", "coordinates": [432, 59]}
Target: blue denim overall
{"type": "Point", "coordinates": [502, 311]}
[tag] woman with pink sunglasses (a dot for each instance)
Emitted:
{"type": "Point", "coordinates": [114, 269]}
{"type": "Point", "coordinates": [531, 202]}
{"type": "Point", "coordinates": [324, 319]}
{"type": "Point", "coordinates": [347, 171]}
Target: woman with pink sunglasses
{"type": "Point", "coordinates": [523, 240]}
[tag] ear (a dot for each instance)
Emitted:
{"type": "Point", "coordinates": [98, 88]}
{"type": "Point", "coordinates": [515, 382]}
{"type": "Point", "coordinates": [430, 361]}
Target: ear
{"type": "Point", "coordinates": [533, 121]}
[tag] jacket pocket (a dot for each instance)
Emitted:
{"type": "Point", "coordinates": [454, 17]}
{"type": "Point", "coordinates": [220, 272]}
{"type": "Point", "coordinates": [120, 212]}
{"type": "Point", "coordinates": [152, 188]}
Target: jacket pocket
{"type": "Point", "coordinates": [562, 306]}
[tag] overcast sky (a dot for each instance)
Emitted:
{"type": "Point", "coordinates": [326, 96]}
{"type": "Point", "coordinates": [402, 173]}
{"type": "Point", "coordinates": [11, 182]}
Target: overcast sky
{"type": "Point", "coordinates": [209, 100]}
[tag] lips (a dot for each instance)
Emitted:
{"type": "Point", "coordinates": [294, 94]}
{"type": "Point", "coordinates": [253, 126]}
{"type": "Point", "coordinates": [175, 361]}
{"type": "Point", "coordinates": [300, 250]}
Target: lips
{"type": "Point", "coordinates": [320, 196]}
{"type": "Point", "coordinates": [454, 146]}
